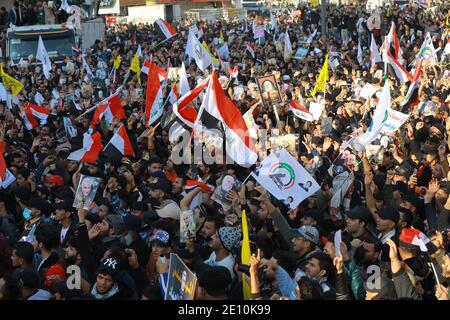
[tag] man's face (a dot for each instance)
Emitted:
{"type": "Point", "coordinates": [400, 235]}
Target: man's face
{"type": "Point", "coordinates": [104, 283]}
{"type": "Point", "coordinates": [299, 244]}
{"type": "Point", "coordinates": [15, 259]}
{"type": "Point", "coordinates": [385, 225]}
{"type": "Point", "coordinates": [177, 185]}
{"type": "Point", "coordinates": [214, 242]}
{"type": "Point", "coordinates": [112, 183]}
{"type": "Point", "coordinates": [370, 255]}
{"type": "Point", "coordinates": [155, 167]}
{"type": "Point", "coordinates": [70, 252]}
{"type": "Point", "coordinates": [60, 214]}
{"type": "Point", "coordinates": [86, 188]}
{"type": "Point", "coordinates": [312, 269]}
{"type": "Point", "coordinates": [17, 162]}
{"type": "Point", "coordinates": [353, 225]}
{"type": "Point", "coordinates": [407, 205]}
{"type": "Point", "coordinates": [102, 211]}
{"type": "Point", "coordinates": [209, 228]}
{"type": "Point", "coordinates": [104, 228]}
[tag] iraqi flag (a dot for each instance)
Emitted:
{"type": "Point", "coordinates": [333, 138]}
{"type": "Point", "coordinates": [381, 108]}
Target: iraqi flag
{"type": "Point", "coordinates": [234, 72]}
{"type": "Point", "coordinates": [396, 70]}
{"type": "Point", "coordinates": [108, 108]}
{"type": "Point", "coordinates": [239, 143]}
{"type": "Point", "coordinates": [394, 45]}
{"type": "Point", "coordinates": [191, 184]}
{"type": "Point", "coordinates": [250, 51]}
{"type": "Point", "coordinates": [92, 146]}
{"type": "Point", "coordinates": [299, 111]}
{"type": "Point", "coordinates": [34, 115]}
{"type": "Point", "coordinates": [162, 74]}
{"type": "Point", "coordinates": [165, 29]}
{"type": "Point", "coordinates": [154, 102]}
{"type": "Point", "coordinates": [414, 237]}
{"type": "Point", "coordinates": [119, 146]}
{"type": "Point", "coordinates": [412, 96]}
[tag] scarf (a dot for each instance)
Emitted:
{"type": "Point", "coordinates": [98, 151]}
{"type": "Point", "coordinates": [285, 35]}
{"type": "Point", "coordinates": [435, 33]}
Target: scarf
{"type": "Point", "coordinates": [109, 294]}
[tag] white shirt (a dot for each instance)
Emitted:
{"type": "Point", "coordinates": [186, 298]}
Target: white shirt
{"type": "Point", "coordinates": [63, 234]}
{"type": "Point", "coordinates": [228, 263]}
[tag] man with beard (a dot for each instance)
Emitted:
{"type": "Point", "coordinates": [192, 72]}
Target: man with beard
{"type": "Point", "coordinates": [106, 234]}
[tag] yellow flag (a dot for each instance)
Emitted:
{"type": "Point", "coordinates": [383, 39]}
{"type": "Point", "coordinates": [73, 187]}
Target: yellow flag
{"type": "Point", "coordinates": [446, 22]}
{"type": "Point", "coordinates": [322, 79]}
{"type": "Point", "coordinates": [214, 59]}
{"type": "Point", "coordinates": [315, 3]}
{"type": "Point", "coordinates": [16, 85]}
{"type": "Point", "coordinates": [245, 255]}
{"type": "Point", "coordinates": [135, 67]}
{"type": "Point", "coordinates": [223, 39]}
{"type": "Point", "coordinates": [117, 62]}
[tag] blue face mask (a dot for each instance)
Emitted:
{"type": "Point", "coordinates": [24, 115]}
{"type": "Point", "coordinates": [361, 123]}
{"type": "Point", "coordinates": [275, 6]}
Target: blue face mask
{"type": "Point", "coordinates": [27, 214]}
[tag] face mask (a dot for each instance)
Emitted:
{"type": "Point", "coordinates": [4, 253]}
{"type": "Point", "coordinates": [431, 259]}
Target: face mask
{"type": "Point", "coordinates": [27, 214]}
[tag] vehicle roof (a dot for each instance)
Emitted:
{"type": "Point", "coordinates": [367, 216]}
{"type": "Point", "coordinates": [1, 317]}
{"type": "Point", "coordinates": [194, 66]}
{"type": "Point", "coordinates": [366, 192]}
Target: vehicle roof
{"type": "Point", "coordinates": [39, 27]}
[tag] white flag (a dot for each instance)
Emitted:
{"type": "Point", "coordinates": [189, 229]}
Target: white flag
{"type": "Point", "coordinates": [427, 51]}
{"type": "Point", "coordinates": [86, 67]}
{"type": "Point", "coordinates": [287, 46]}
{"type": "Point", "coordinates": [194, 49]}
{"type": "Point", "coordinates": [184, 84]}
{"type": "Point", "coordinates": [374, 53]}
{"type": "Point", "coordinates": [285, 178]}
{"type": "Point", "coordinates": [379, 118]}
{"type": "Point", "coordinates": [65, 6]}
{"type": "Point", "coordinates": [42, 56]}
{"type": "Point", "coordinates": [273, 21]}
{"type": "Point", "coordinates": [359, 56]}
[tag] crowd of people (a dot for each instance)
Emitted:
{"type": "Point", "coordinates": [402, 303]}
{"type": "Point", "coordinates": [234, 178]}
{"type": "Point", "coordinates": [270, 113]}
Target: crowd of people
{"type": "Point", "coordinates": [122, 241]}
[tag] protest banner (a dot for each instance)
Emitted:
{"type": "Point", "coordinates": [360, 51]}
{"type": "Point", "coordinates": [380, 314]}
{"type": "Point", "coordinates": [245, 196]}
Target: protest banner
{"type": "Point", "coordinates": [182, 282]}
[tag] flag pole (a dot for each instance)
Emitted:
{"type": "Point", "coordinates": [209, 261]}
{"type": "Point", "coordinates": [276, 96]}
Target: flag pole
{"type": "Point", "coordinates": [96, 105]}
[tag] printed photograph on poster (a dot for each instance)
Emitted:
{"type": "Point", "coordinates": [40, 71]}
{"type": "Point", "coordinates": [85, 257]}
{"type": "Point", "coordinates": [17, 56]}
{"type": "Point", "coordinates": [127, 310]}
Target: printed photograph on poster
{"type": "Point", "coordinates": [347, 160]}
{"type": "Point", "coordinates": [86, 190]}
{"type": "Point", "coordinates": [220, 195]}
{"type": "Point", "coordinates": [182, 282]}
{"type": "Point", "coordinates": [268, 89]}
{"type": "Point", "coordinates": [187, 226]}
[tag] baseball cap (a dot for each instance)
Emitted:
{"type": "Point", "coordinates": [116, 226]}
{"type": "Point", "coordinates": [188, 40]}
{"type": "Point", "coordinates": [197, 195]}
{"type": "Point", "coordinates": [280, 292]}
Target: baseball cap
{"type": "Point", "coordinates": [389, 214]}
{"type": "Point", "coordinates": [308, 233]}
{"type": "Point", "coordinates": [169, 209]}
{"type": "Point", "coordinates": [359, 212]}
{"type": "Point", "coordinates": [115, 221]}
{"type": "Point", "coordinates": [414, 200]}
{"type": "Point", "coordinates": [62, 205]}
{"type": "Point", "coordinates": [161, 237]}
{"type": "Point", "coordinates": [54, 274]}
{"type": "Point", "coordinates": [110, 266]}
{"type": "Point", "coordinates": [58, 180]}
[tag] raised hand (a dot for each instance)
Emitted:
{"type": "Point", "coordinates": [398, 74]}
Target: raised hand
{"type": "Point", "coordinates": [254, 262]}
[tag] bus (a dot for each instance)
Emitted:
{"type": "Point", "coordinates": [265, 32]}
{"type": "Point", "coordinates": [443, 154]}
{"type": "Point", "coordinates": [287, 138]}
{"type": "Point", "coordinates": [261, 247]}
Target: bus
{"type": "Point", "coordinates": [21, 42]}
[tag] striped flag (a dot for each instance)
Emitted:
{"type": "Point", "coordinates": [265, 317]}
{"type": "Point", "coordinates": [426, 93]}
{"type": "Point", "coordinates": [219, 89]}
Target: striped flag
{"type": "Point", "coordinates": [119, 146]}
{"type": "Point", "coordinates": [412, 96]}
{"type": "Point", "coordinates": [417, 238]}
{"type": "Point", "coordinates": [154, 103]}
{"type": "Point", "coordinates": [165, 28]}
{"type": "Point", "coordinates": [34, 115]}
{"type": "Point", "coordinates": [108, 108]}
{"type": "Point", "coordinates": [92, 146]}
{"type": "Point", "coordinates": [300, 111]}
{"type": "Point", "coordinates": [395, 69]}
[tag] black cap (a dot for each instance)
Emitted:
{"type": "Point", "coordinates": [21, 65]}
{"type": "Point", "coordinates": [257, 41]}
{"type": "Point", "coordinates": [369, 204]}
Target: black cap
{"type": "Point", "coordinates": [389, 214]}
{"type": "Point", "coordinates": [111, 266]}
{"type": "Point", "coordinates": [62, 205]}
{"type": "Point", "coordinates": [379, 196]}
{"type": "Point", "coordinates": [361, 213]}
{"type": "Point", "coordinates": [29, 278]}
{"type": "Point", "coordinates": [400, 186]}
{"type": "Point", "coordinates": [162, 184]}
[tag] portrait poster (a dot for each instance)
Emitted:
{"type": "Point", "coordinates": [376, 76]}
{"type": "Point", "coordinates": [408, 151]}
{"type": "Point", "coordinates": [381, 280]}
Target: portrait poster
{"type": "Point", "coordinates": [182, 282]}
{"type": "Point", "coordinates": [228, 183]}
{"type": "Point", "coordinates": [187, 226]}
{"type": "Point", "coordinates": [268, 89]}
{"type": "Point", "coordinates": [86, 190]}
